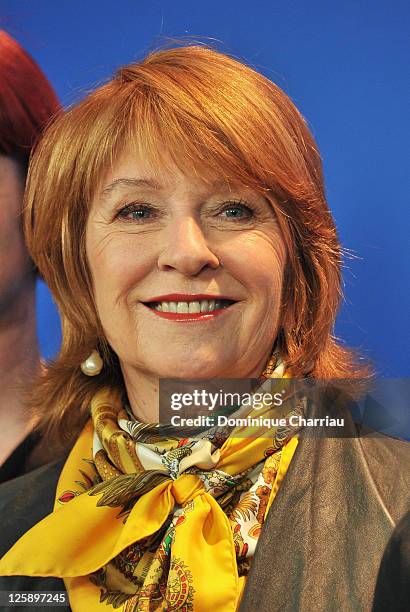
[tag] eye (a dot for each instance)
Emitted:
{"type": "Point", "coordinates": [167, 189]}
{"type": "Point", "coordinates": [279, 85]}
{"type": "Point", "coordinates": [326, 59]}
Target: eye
{"type": "Point", "coordinates": [135, 212]}
{"type": "Point", "coordinates": [237, 210]}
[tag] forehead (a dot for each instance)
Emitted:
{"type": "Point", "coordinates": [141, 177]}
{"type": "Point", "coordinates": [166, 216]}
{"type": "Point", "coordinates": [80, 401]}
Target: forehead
{"type": "Point", "coordinates": [134, 171]}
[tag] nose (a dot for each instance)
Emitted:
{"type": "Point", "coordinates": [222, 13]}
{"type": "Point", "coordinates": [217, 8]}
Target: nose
{"type": "Point", "coordinates": [186, 249]}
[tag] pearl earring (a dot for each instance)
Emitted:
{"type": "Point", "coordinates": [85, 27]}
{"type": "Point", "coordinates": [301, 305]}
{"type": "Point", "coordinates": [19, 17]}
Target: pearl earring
{"type": "Point", "coordinates": [93, 365]}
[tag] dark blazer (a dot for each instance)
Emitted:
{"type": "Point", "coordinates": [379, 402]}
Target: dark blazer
{"type": "Point", "coordinates": [322, 541]}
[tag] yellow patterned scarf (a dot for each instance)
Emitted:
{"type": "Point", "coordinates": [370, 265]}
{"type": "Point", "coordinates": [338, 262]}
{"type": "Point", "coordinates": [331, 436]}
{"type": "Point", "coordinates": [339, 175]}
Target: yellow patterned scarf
{"type": "Point", "coordinates": [146, 523]}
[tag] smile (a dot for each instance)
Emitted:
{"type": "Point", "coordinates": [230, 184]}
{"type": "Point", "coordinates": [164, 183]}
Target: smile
{"type": "Point", "coordinates": [189, 310]}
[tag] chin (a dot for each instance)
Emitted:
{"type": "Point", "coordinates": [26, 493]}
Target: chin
{"type": "Point", "coordinates": [191, 368]}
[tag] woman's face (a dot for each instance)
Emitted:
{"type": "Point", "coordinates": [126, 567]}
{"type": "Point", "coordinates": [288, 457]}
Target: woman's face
{"type": "Point", "coordinates": [15, 269]}
{"type": "Point", "coordinates": [161, 246]}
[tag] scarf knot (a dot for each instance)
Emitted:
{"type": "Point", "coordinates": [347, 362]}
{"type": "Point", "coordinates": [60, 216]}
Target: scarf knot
{"type": "Point", "coordinates": [186, 487]}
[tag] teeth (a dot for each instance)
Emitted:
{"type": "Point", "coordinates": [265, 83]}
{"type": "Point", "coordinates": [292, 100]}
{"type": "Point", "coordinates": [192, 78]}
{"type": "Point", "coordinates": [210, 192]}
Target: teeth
{"type": "Point", "coordinates": [182, 307]}
{"type": "Point", "coordinates": [194, 307]}
{"type": "Point", "coordinates": [190, 307]}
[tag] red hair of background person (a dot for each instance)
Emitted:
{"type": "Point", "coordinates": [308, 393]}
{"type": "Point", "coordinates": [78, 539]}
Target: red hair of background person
{"type": "Point", "coordinates": [27, 100]}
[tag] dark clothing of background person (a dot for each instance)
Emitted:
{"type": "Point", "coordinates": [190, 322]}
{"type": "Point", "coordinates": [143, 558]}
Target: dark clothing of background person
{"type": "Point", "coordinates": [19, 461]}
{"type": "Point", "coordinates": [393, 583]}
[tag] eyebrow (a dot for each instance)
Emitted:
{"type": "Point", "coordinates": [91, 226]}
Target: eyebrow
{"type": "Point", "coordinates": [150, 183]}
{"type": "Point", "coordinates": [129, 182]}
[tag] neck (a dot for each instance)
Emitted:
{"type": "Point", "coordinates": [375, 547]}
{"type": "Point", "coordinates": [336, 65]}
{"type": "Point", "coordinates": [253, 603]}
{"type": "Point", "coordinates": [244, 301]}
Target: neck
{"type": "Point", "coordinates": [143, 389]}
{"type": "Point", "coordinates": [143, 395]}
{"type": "Point", "coordinates": [19, 361]}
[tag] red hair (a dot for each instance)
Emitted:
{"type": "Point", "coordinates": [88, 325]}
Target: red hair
{"type": "Point", "coordinates": [27, 100]}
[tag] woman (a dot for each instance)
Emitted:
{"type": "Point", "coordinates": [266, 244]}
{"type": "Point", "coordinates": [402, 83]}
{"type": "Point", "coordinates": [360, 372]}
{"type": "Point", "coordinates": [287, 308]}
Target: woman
{"type": "Point", "coordinates": [27, 103]}
{"type": "Point", "coordinates": [178, 215]}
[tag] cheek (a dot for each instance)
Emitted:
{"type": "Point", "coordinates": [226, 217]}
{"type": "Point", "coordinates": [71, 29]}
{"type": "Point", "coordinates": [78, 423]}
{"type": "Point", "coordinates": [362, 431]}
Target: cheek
{"type": "Point", "coordinates": [258, 262]}
{"type": "Point", "coordinates": [11, 231]}
{"type": "Point", "coordinates": [14, 257]}
{"type": "Point", "coordinates": [117, 262]}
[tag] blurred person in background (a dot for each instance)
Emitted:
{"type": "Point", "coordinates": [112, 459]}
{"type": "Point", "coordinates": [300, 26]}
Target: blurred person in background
{"type": "Point", "coordinates": [27, 103]}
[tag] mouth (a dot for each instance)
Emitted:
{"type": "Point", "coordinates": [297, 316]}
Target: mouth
{"type": "Point", "coordinates": [189, 309]}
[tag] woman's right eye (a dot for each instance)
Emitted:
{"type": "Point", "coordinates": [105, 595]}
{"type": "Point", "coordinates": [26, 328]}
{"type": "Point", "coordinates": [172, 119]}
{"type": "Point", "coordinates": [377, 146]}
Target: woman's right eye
{"type": "Point", "coordinates": [135, 212]}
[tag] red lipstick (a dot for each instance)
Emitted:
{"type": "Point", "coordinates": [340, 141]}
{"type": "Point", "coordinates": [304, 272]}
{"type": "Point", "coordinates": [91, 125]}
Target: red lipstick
{"type": "Point", "coordinates": [187, 317]}
{"type": "Point", "coordinates": [187, 297]}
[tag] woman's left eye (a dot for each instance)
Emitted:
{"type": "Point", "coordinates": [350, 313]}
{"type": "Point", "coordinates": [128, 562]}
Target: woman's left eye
{"type": "Point", "coordinates": [237, 210]}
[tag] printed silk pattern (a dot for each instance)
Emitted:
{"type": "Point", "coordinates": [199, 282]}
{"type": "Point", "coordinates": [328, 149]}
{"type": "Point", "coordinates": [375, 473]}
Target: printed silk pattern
{"type": "Point", "coordinates": [159, 523]}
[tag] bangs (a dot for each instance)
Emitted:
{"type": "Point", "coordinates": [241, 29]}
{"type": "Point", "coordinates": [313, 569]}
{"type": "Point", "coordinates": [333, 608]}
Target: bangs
{"type": "Point", "coordinates": [166, 135]}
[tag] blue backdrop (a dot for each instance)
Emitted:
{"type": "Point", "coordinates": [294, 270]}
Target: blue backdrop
{"type": "Point", "coordinates": [343, 64]}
